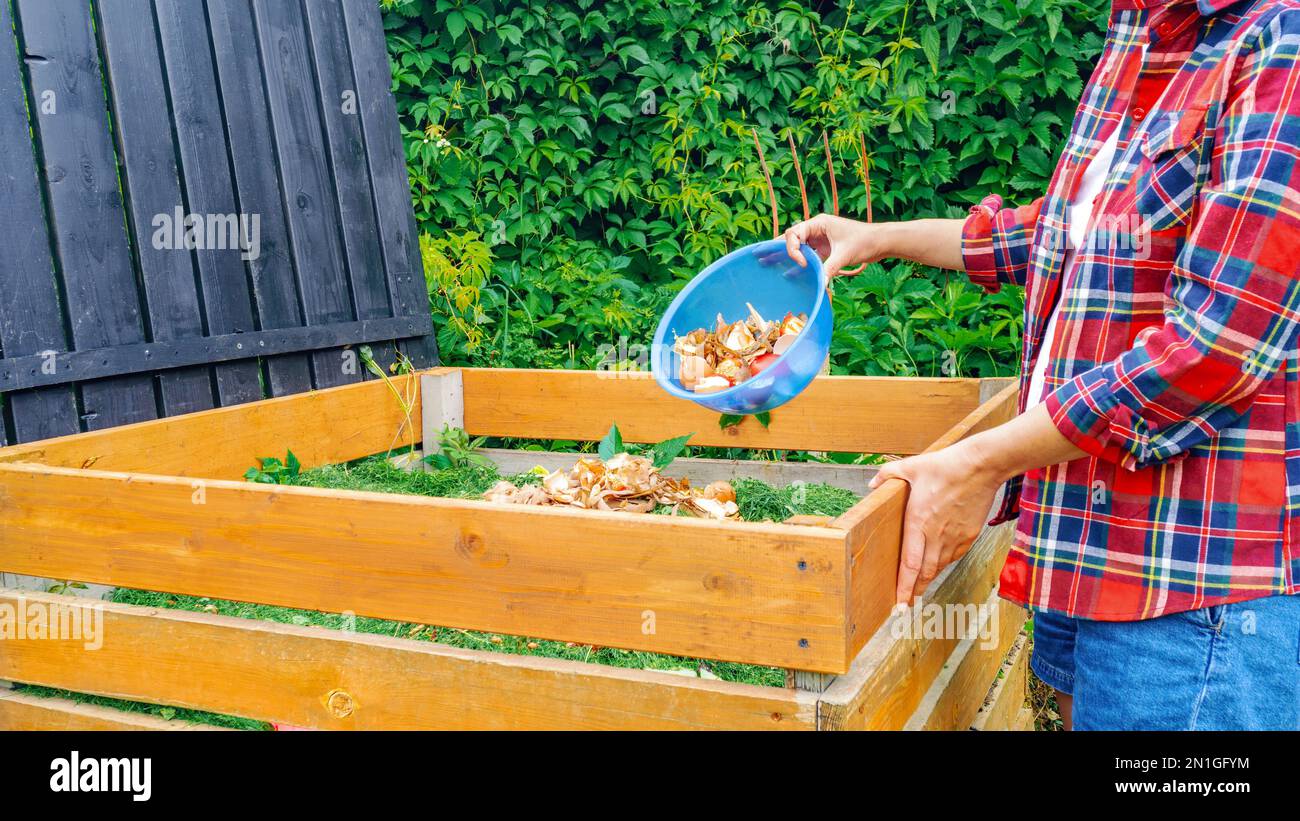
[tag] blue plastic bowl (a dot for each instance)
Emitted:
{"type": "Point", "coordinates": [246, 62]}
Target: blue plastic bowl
{"type": "Point", "coordinates": [764, 275]}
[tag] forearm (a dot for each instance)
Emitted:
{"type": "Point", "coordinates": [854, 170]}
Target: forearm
{"type": "Point", "coordinates": [1028, 442]}
{"type": "Point", "coordinates": [934, 242]}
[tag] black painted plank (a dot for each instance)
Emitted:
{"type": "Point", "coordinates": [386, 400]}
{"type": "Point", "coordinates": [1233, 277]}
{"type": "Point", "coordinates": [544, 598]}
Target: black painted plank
{"type": "Point", "coordinates": [387, 160]}
{"type": "Point", "coordinates": [305, 179]}
{"type": "Point", "coordinates": [257, 186]}
{"type": "Point", "coordinates": [327, 39]}
{"type": "Point", "coordinates": [231, 237]}
{"type": "Point", "coordinates": [75, 366]}
{"type": "Point", "coordinates": [347, 153]}
{"type": "Point", "coordinates": [31, 320]}
{"type": "Point", "coordinates": [153, 191]}
{"type": "Point", "coordinates": [85, 204]}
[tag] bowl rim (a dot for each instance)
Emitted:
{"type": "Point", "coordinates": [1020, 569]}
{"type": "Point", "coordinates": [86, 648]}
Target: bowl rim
{"type": "Point", "coordinates": [823, 299]}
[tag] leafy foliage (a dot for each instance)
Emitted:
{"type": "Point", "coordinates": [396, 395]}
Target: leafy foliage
{"type": "Point", "coordinates": [274, 471]}
{"type": "Point", "coordinates": [574, 162]}
{"type": "Point", "coordinates": [660, 454]}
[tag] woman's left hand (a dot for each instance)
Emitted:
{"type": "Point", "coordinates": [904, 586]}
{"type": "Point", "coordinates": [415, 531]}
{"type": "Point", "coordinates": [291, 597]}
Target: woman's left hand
{"type": "Point", "coordinates": [951, 493]}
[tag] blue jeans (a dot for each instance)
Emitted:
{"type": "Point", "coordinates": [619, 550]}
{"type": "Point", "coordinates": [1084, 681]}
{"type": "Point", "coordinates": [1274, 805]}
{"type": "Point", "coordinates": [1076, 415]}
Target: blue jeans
{"type": "Point", "coordinates": [1229, 667]}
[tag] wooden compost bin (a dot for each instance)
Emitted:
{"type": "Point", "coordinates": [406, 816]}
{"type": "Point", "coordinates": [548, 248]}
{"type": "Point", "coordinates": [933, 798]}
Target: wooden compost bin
{"type": "Point", "coordinates": [162, 506]}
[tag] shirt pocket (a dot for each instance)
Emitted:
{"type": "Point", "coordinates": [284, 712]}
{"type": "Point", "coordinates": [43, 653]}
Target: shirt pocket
{"type": "Point", "coordinates": [1172, 168]}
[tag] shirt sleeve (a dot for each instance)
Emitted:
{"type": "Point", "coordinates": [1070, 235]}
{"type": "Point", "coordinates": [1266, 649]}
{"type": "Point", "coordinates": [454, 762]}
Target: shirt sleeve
{"type": "Point", "coordinates": [995, 242]}
{"type": "Point", "coordinates": [1231, 313]}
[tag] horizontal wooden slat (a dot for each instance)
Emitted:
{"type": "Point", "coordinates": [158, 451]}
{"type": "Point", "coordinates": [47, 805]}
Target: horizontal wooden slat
{"type": "Point", "coordinates": [321, 427]}
{"type": "Point", "coordinates": [957, 694]}
{"type": "Point", "coordinates": [891, 675]}
{"type": "Point", "coordinates": [21, 711]}
{"type": "Point", "coordinates": [703, 471]}
{"type": "Point", "coordinates": [838, 413]}
{"type": "Point", "coordinates": [762, 593]}
{"type": "Point", "coordinates": [41, 370]}
{"type": "Point", "coordinates": [1005, 702]}
{"type": "Point", "coordinates": [314, 677]}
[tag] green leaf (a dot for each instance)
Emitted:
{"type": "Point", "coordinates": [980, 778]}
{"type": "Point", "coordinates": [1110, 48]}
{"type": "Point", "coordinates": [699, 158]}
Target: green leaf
{"type": "Point", "coordinates": [764, 418]}
{"type": "Point", "coordinates": [291, 462]}
{"type": "Point", "coordinates": [729, 420]}
{"type": "Point", "coordinates": [669, 449]}
{"type": "Point", "coordinates": [612, 444]}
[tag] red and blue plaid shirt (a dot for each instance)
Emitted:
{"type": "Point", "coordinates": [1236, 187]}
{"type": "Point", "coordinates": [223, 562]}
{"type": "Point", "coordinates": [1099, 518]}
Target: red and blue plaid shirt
{"type": "Point", "coordinates": [1175, 363]}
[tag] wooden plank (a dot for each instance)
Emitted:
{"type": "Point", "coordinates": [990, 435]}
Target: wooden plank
{"type": "Point", "coordinates": [703, 471]}
{"type": "Point", "coordinates": [147, 357]}
{"type": "Point", "coordinates": [153, 187]}
{"type": "Point", "coordinates": [1006, 699]}
{"type": "Point", "coordinates": [196, 106]}
{"type": "Point", "coordinates": [22, 711]}
{"type": "Point", "coordinates": [31, 320]}
{"type": "Point", "coordinates": [321, 427]}
{"type": "Point", "coordinates": [85, 204]}
{"type": "Point", "coordinates": [340, 111]}
{"type": "Point", "coordinates": [387, 161]}
{"type": "Point", "coordinates": [852, 414]}
{"type": "Point", "coordinates": [313, 214]}
{"type": "Point", "coordinates": [875, 528]}
{"type": "Point", "coordinates": [257, 183]}
{"type": "Point", "coordinates": [760, 593]}
{"type": "Point", "coordinates": [956, 696]}
{"type": "Point", "coordinates": [892, 673]}
{"type": "Point", "coordinates": [320, 678]}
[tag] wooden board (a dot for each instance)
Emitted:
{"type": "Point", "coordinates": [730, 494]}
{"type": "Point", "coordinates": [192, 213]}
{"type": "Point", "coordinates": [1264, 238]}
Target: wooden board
{"type": "Point", "coordinates": [760, 593]}
{"type": "Point", "coordinates": [892, 673]}
{"type": "Point", "coordinates": [87, 220]}
{"type": "Point", "coordinates": [321, 427]}
{"type": "Point", "coordinates": [22, 711]}
{"type": "Point", "coordinates": [703, 471]}
{"type": "Point", "coordinates": [314, 677]}
{"type": "Point", "coordinates": [377, 108]}
{"type": "Point", "coordinates": [1005, 703]}
{"type": "Point", "coordinates": [30, 319]}
{"type": "Point", "coordinates": [875, 527]}
{"type": "Point", "coordinates": [209, 189]}
{"type": "Point", "coordinates": [152, 183]}
{"type": "Point", "coordinates": [957, 694]}
{"type": "Point", "coordinates": [257, 185]}
{"type": "Point", "coordinates": [852, 414]}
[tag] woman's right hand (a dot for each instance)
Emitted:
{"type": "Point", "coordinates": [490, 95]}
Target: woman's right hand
{"type": "Point", "coordinates": [840, 242]}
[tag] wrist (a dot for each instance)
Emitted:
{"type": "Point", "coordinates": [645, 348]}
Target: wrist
{"type": "Point", "coordinates": [991, 459]}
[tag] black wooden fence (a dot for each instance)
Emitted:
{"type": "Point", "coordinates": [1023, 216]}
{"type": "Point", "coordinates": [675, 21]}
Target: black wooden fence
{"type": "Point", "coordinates": [202, 203]}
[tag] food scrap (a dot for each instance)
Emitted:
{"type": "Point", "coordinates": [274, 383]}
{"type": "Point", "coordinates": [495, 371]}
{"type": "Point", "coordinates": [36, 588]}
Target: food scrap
{"type": "Point", "coordinates": [623, 482]}
{"type": "Point", "coordinates": [715, 360]}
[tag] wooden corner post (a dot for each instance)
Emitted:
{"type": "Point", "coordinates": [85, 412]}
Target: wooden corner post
{"type": "Point", "coordinates": [442, 402]}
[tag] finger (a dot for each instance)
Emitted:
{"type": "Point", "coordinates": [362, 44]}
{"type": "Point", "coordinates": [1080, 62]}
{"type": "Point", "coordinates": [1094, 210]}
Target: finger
{"type": "Point", "coordinates": [929, 564]}
{"type": "Point", "coordinates": [795, 235]}
{"type": "Point", "coordinates": [910, 559]}
{"type": "Point", "coordinates": [887, 471]}
{"type": "Point", "coordinates": [834, 263]}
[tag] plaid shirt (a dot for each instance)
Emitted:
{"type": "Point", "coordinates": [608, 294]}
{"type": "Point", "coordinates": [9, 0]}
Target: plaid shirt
{"type": "Point", "coordinates": [1174, 364]}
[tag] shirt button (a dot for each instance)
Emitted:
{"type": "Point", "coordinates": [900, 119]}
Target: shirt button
{"type": "Point", "coordinates": [1164, 29]}
{"type": "Point", "coordinates": [1139, 114]}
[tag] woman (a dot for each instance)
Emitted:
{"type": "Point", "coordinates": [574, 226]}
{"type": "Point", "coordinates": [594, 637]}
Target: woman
{"type": "Point", "coordinates": [1155, 466]}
